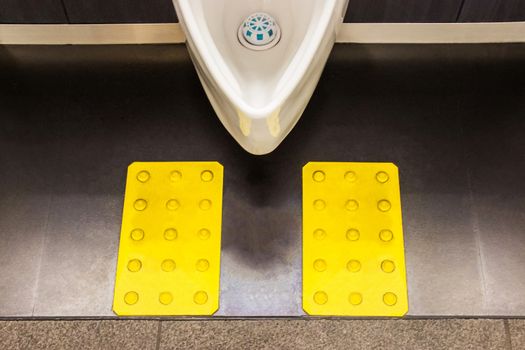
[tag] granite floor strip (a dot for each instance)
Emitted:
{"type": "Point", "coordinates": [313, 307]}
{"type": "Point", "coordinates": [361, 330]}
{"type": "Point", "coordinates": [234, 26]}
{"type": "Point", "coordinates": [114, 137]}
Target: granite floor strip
{"type": "Point", "coordinates": [517, 334]}
{"type": "Point", "coordinates": [264, 334]}
{"type": "Point", "coordinates": [100, 334]}
{"type": "Point", "coordinates": [335, 334]}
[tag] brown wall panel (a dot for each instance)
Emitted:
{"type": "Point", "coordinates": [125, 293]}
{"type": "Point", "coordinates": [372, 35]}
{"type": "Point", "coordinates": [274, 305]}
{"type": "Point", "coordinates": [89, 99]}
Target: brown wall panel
{"type": "Point", "coordinates": [493, 11]}
{"type": "Point", "coordinates": [403, 10]}
{"type": "Point", "coordinates": [32, 11]}
{"type": "Point", "coordinates": [162, 11]}
{"type": "Point", "coordinates": [120, 11]}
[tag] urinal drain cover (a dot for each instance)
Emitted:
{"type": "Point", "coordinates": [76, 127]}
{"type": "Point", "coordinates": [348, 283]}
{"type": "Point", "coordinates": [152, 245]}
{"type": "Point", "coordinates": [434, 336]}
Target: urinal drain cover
{"type": "Point", "coordinates": [259, 32]}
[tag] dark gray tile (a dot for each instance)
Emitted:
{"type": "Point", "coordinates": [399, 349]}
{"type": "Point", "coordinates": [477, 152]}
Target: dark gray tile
{"type": "Point", "coordinates": [517, 333]}
{"type": "Point", "coordinates": [492, 11]}
{"type": "Point", "coordinates": [120, 334]}
{"type": "Point", "coordinates": [28, 11]}
{"type": "Point", "coordinates": [334, 334]}
{"type": "Point", "coordinates": [403, 11]}
{"type": "Point", "coordinates": [83, 247]}
{"type": "Point", "coordinates": [120, 11]}
{"type": "Point", "coordinates": [494, 150]}
{"type": "Point", "coordinates": [26, 187]}
{"type": "Point", "coordinates": [22, 226]}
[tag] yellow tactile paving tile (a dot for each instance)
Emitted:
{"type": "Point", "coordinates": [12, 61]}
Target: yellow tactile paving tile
{"type": "Point", "coordinates": [169, 254]}
{"type": "Point", "coordinates": [353, 251]}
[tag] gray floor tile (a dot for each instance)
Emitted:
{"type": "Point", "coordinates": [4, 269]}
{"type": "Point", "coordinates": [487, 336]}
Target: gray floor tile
{"type": "Point", "coordinates": [497, 199]}
{"type": "Point", "coordinates": [334, 334]}
{"type": "Point", "coordinates": [81, 287]}
{"type": "Point", "coordinates": [517, 334]}
{"type": "Point", "coordinates": [78, 334]}
{"type": "Point", "coordinates": [22, 224]}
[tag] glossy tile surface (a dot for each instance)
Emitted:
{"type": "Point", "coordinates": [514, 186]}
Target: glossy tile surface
{"type": "Point", "coordinates": [450, 117]}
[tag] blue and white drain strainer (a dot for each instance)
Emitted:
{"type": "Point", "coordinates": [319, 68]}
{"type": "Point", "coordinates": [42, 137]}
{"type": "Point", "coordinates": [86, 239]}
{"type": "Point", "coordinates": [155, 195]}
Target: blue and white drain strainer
{"type": "Point", "coordinates": [259, 32]}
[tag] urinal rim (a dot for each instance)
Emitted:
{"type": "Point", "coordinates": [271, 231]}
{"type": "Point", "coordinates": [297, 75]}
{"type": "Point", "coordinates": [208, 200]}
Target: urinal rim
{"type": "Point", "coordinates": [305, 59]}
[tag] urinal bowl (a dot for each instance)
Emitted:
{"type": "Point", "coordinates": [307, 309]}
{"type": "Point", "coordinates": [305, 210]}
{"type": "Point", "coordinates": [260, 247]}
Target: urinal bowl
{"type": "Point", "coordinates": [259, 95]}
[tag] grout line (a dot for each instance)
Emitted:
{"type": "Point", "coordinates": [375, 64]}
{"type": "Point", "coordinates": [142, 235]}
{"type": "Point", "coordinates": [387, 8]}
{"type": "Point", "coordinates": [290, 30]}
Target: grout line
{"type": "Point", "coordinates": [477, 233]}
{"type": "Point", "coordinates": [65, 11]}
{"type": "Point", "coordinates": [473, 211]}
{"type": "Point", "coordinates": [46, 233]}
{"type": "Point", "coordinates": [41, 254]}
{"type": "Point", "coordinates": [460, 10]}
{"type": "Point", "coordinates": [253, 318]}
{"type": "Point", "coordinates": [508, 338]}
{"type": "Point", "coordinates": [159, 334]}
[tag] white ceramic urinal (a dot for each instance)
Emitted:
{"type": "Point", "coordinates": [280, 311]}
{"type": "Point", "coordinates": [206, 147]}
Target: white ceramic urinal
{"type": "Point", "coordinates": [260, 60]}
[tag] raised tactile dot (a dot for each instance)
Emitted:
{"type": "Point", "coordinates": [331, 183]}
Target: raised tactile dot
{"type": "Point", "coordinates": [134, 265]}
{"type": "Point", "coordinates": [320, 265]}
{"type": "Point", "coordinates": [137, 234]}
{"type": "Point", "coordinates": [165, 298]}
{"type": "Point", "coordinates": [200, 297]}
{"type": "Point", "coordinates": [384, 205]}
{"type": "Point", "coordinates": [350, 176]}
{"type": "Point", "coordinates": [320, 298]}
{"type": "Point", "coordinates": [353, 266]}
{"type": "Point", "coordinates": [351, 205]}
{"type": "Point", "coordinates": [170, 234]}
{"type": "Point", "coordinates": [355, 298]}
{"type": "Point", "coordinates": [175, 176]}
{"type": "Point", "coordinates": [143, 176]}
{"type": "Point", "coordinates": [172, 204]}
{"type": "Point", "coordinates": [388, 266]}
{"type": "Point", "coordinates": [319, 204]}
{"type": "Point", "coordinates": [352, 234]}
{"type": "Point", "coordinates": [202, 265]}
{"type": "Point", "coordinates": [205, 204]}
{"type": "Point", "coordinates": [319, 234]}
{"type": "Point", "coordinates": [204, 233]}
{"type": "Point", "coordinates": [167, 265]}
{"type": "Point", "coordinates": [390, 299]}
{"type": "Point", "coordinates": [206, 176]}
{"type": "Point", "coordinates": [140, 204]}
{"type": "Point", "coordinates": [318, 176]}
{"type": "Point", "coordinates": [386, 235]}
{"type": "Point", "coordinates": [131, 298]}
{"type": "Point", "coordinates": [382, 177]}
